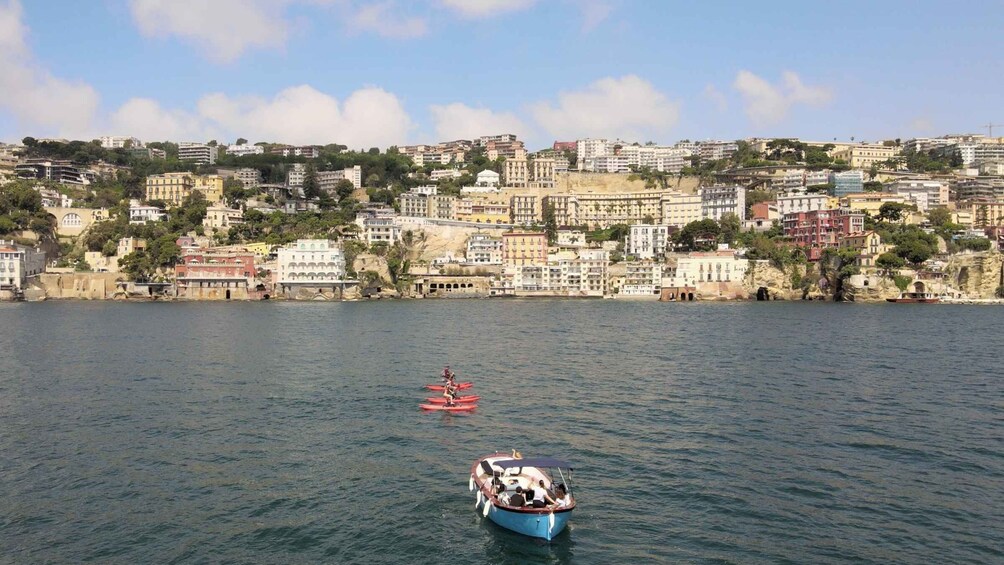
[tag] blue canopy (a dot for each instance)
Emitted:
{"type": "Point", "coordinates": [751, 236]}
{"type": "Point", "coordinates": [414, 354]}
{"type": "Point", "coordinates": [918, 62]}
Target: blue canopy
{"type": "Point", "coordinates": [533, 462]}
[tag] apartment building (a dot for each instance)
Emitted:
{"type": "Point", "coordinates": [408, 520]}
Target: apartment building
{"type": "Point", "coordinates": [821, 229]}
{"type": "Point", "coordinates": [524, 248]}
{"type": "Point", "coordinates": [864, 155]}
{"type": "Point", "coordinates": [719, 200]}
{"type": "Point", "coordinates": [198, 153]}
{"type": "Point", "coordinates": [526, 210]}
{"type": "Point", "coordinates": [936, 192]}
{"type": "Point", "coordinates": [483, 249]}
{"type": "Point", "coordinates": [679, 209]}
{"type": "Point", "coordinates": [173, 188]}
{"type": "Point", "coordinates": [243, 150]}
{"type": "Point", "coordinates": [647, 241]}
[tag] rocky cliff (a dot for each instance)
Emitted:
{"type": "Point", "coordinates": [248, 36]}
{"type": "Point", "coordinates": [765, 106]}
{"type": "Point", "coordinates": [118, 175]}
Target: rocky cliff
{"type": "Point", "coordinates": [977, 275]}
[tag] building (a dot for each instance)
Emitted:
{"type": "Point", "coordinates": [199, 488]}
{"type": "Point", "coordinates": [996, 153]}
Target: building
{"type": "Point", "coordinates": [561, 274]}
{"type": "Point", "coordinates": [18, 263]}
{"type": "Point", "coordinates": [515, 172]}
{"type": "Point", "coordinates": [305, 151]}
{"type": "Point", "coordinates": [719, 200]}
{"type": "Point", "coordinates": [716, 150]}
{"type": "Point", "coordinates": [61, 171]}
{"type": "Point", "coordinates": [424, 202]}
{"type": "Point", "coordinates": [198, 153]}
{"type": "Point", "coordinates": [936, 191]}
{"type": "Point", "coordinates": [985, 189]}
{"type": "Point", "coordinates": [986, 214]}
{"type": "Point", "coordinates": [481, 210]}
{"type": "Point", "coordinates": [296, 175]}
{"type": "Point", "coordinates": [589, 149]}
{"type": "Point", "coordinates": [868, 243]}
{"type": "Point", "coordinates": [73, 221]}
{"type": "Point", "coordinates": [440, 174]}
{"type": "Point", "coordinates": [642, 278]}
{"type": "Point", "coordinates": [147, 153]}
{"type": "Point", "coordinates": [119, 142]}
{"type": "Point", "coordinates": [821, 229]}
{"type": "Point", "coordinates": [209, 274]}
{"type": "Point", "coordinates": [173, 188]}
{"type": "Point", "coordinates": [53, 198]}
{"type": "Point", "coordinates": [250, 178]}
{"type": "Point", "coordinates": [974, 153]}
{"type": "Point", "coordinates": [483, 249]}
{"type": "Point", "coordinates": [526, 210]}
{"type": "Point", "coordinates": [222, 217]}
{"type": "Point", "coordinates": [504, 146]}
{"type": "Point", "coordinates": [871, 202]}
{"type": "Point", "coordinates": [524, 248]}
{"type": "Point", "coordinates": [327, 181]}
{"type": "Point", "coordinates": [647, 241]}
{"type": "Point", "coordinates": [129, 245]}
{"type": "Point", "coordinates": [793, 203]}
{"type": "Point", "coordinates": [487, 178]}
{"type": "Point", "coordinates": [141, 214]}
{"type": "Point", "coordinates": [377, 224]}
{"type": "Point", "coordinates": [542, 171]}
{"type": "Point", "coordinates": [992, 168]}
{"type": "Point", "coordinates": [310, 263]}
{"type": "Point", "coordinates": [679, 209]}
{"type": "Point", "coordinates": [847, 182]}
{"type": "Point", "coordinates": [244, 150]}
{"type": "Point", "coordinates": [864, 155]}
{"type": "Point", "coordinates": [696, 268]}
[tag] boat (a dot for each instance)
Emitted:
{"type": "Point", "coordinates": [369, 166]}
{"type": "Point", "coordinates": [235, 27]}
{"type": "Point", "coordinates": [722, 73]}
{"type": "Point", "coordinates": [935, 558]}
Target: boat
{"type": "Point", "coordinates": [445, 408]}
{"type": "Point", "coordinates": [916, 298]}
{"type": "Point", "coordinates": [460, 386]}
{"type": "Point", "coordinates": [495, 477]}
{"type": "Point", "coordinates": [457, 400]}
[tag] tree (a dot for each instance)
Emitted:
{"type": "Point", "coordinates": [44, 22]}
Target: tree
{"type": "Point", "coordinates": [915, 251]}
{"type": "Point", "coordinates": [311, 188]}
{"type": "Point", "coordinates": [344, 189]}
{"type": "Point", "coordinates": [109, 248]}
{"type": "Point", "coordinates": [700, 235]}
{"type": "Point", "coordinates": [873, 186]}
{"type": "Point", "coordinates": [939, 217]}
{"type": "Point", "coordinates": [550, 223]}
{"type": "Point", "coordinates": [731, 226]}
{"type": "Point", "coordinates": [241, 141]}
{"type": "Point", "coordinates": [893, 211]}
{"type": "Point", "coordinates": [889, 262]}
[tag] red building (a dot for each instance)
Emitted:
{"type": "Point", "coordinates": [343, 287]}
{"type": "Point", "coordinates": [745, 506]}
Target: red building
{"type": "Point", "coordinates": [817, 230]}
{"type": "Point", "coordinates": [565, 146]}
{"type": "Point", "coordinates": [211, 275]}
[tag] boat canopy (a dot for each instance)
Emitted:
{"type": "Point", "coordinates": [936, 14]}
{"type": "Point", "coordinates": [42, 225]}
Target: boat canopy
{"type": "Point", "coordinates": [533, 462]}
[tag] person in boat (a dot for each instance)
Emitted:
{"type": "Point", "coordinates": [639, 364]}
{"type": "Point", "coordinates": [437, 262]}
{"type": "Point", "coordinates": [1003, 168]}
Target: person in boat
{"type": "Point", "coordinates": [540, 497]}
{"type": "Point", "coordinates": [549, 490]}
{"type": "Point", "coordinates": [450, 393]}
{"type": "Point", "coordinates": [516, 454]}
{"type": "Point", "coordinates": [561, 499]}
{"type": "Point", "coordinates": [447, 373]}
{"type": "Point", "coordinates": [517, 499]}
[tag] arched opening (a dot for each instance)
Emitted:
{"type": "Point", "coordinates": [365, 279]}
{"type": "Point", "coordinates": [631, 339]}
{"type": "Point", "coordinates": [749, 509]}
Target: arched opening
{"type": "Point", "coordinates": [228, 294]}
{"type": "Point", "coordinates": [690, 296]}
{"type": "Point", "coordinates": [919, 287]}
{"type": "Point", "coordinates": [963, 277]}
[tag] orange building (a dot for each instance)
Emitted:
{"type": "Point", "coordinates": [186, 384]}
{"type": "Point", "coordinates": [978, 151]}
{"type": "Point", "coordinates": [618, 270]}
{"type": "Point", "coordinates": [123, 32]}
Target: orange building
{"type": "Point", "coordinates": [524, 248]}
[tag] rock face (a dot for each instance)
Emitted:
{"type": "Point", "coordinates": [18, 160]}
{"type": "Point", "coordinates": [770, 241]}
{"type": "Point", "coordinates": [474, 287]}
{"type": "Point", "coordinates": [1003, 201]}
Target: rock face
{"type": "Point", "coordinates": [776, 282]}
{"type": "Point", "coordinates": [977, 275]}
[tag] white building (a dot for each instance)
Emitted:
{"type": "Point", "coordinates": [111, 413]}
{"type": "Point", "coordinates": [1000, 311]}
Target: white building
{"type": "Point", "coordinates": [483, 249]}
{"type": "Point", "coordinates": [936, 191]}
{"type": "Point", "coordinates": [119, 141]}
{"type": "Point", "coordinates": [17, 264]}
{"type": "Point", "coordinates": [646, 241]}
{"type": "Point", "coordinates": [716, 150]}
{"type": "Point", "coordinates": [222, 217]}
{"type": "Point", "coordinates": [310, 262]}
{"type": "Point", "coordinates": [716, 201]}
{"type": "Point", "coordinates": [440, 174]}
{"type": "Point", "coordinates": [801, 203]}
{"type": "Point", "coordinates": [244, 149]}
{"type": "Point", "coordinates": [199, 153]}
{"type": "Point", "coordinates": [992, 168]}
{"type": "Point", "coordinates": [589, 149]}
{"type": "Point", "coordinates": [250, 178]}
{"type": "Point", "coordinates": [642, 278]}
{"type": "Point", "coordinates": [571, 239]}
{"type": "Point", "coordinates": [487, 177]}
{"type": "Point", "coordinates": [296, 175]}
{"type": "Point", "coordinates": [328, 180]}
{"type": "Point", "coordinates": [713, 266]}
{"type": "Point", "coordinates": [563, 274]}
{"type": "Point", "coordinates": [141, 214]}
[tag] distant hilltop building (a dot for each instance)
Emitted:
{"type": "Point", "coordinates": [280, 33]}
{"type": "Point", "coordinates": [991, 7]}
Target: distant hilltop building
{"type": "Point", "coordinates": [305, 151]}
{"type": "Point", "coordinates": [61, 171]}
{"type": "Point", "coordinates": [606, 156]}
{"type": "Point", "coordinates": [198, 153]}
{"type": "Point", "coordinates": [244, 149]}
{"type": "Point", "coordinates": [119, 142]}
{"type": "Point", "coordinates": [173, 188]}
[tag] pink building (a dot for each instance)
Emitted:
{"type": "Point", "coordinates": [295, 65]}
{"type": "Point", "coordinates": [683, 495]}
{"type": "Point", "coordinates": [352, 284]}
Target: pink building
{"type": "Point", "coordinates": [204, 274]}
{"type": "Point", "coordinates": [817, 230]}
{"type": "Point", "coordinates": [524, 248]}
{"type": "Point", "coordinates": [565, 146]}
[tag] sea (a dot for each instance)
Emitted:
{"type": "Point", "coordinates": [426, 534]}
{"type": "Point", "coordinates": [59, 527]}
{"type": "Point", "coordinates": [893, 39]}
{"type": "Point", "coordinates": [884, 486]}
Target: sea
{"type": "Point", "coordinates": [283, 432]}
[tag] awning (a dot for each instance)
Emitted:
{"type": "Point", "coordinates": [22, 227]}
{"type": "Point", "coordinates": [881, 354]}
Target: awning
{"type": "Point", "coordinates": [532, 462]}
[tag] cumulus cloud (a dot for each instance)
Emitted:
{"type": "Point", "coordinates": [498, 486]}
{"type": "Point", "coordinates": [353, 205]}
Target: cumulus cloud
{"type": "Point", "coordinates": [31, 93]}
{"type": "Point", "coordinates": [222, 29]}
{"type": "Point", "coordinates": [628, 107]}
{"type": "Point", "coordinates": [148, 120]}
{"type": "Point", "coordinates": [384, 19]}
{"type": "Point", "coordinates": [459, 121]}
{"type": "Point", "coordinates": [485, 8]}
{"type": "Point", "coordinates": [767, 104]}
{"type": "Point", "coordinates": [716, 97]}
{"type": "Point", "coordinates": [369, 117]}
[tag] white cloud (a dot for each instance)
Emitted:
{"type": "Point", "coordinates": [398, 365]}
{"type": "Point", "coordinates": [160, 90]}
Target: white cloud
{"type": "Point", "coordinates": [148, 120]}
{"type": "Point", "coordinates": [31, 93]}
{"type": "Point", "coordinates": [222, 29]}
{"type": "Point", "coordinates": [767, 104]}
{"type": "Point", "coordinates": [485, 8]}
{"type": "Point", "coordinates": [369, 117]}
{"type": "Point", "coordinates": [627, 107]}
{"type": "Point", "coordinates": [384, 19]}
{"type": "Point", "coordinates": [716, 97]}
{"type": "Point", "coordinates": [594, 12]}
{"type": "Point", "coordinates": [459, 121]}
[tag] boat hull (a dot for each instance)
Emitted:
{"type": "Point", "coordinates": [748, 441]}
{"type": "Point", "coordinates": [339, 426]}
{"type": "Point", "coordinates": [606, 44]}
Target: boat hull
{"type": "Point", "coordinates": [539, 525]}
{"type": "Point", "coordinates": [460, 386]}
{"type": "Point", "coordinates": [914, 300]}
{"type": "Point", "coordinates": [445, 408]}
{"type": "Point", "coordinates": [459, 400]}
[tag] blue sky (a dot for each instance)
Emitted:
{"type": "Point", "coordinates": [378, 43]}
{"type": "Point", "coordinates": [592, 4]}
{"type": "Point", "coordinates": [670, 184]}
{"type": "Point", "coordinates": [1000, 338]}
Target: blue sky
{"type": "Point", "coordinates": [382, 72]}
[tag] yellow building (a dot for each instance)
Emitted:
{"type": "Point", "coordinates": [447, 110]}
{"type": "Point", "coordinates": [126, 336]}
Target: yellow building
{"type": "Point", "coordinates": [986, 214]}
{"type": "Point", "coordinates": [173, 188]}
{"type": "Point", "coordinates": [870, 202]}
{"type": "Point", "coordinates": [211, 186]}
{"type": "Point", "coordinates": [483, 211]}
{"type": "Point", "coordinates": [864, 155]}
{"type": "Point", "coordinates": [260, 249]}
{"type": "Point", "coordinates": [869, 245]}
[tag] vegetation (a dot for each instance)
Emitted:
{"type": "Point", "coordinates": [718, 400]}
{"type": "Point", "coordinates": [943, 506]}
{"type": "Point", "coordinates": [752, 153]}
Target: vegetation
{"type": "Point", "coordinates": [21, 209]}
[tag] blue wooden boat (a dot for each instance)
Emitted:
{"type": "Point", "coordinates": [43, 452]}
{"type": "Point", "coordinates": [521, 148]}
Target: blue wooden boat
{"type": "Point", "coordinates": [495, 479]}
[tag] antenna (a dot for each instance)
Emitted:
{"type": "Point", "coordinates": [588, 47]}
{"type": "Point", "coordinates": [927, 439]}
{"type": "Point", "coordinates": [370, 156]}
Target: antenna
{"type": "Point", "coordinates": [990, 128]}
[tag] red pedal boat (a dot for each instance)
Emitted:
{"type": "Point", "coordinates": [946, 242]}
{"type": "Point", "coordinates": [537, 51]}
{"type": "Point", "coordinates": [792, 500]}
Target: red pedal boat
{"type": "Point", "coordinates": [458, 400]}
{"type": "Point", "coordinates": [445, 408]}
